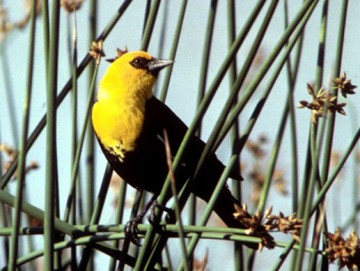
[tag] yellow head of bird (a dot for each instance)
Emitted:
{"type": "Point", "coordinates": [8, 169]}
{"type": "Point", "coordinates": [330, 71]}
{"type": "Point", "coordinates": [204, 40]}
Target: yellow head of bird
{"type": "Point", "coordinates": [132, 75]}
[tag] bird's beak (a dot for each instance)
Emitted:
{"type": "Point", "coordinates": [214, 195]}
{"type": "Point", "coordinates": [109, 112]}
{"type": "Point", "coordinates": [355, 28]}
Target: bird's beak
{"type": "Point", "coordinates": [157, 65]}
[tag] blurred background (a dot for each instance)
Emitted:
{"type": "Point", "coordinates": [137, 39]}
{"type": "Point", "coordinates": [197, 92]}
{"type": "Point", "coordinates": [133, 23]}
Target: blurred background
{"type": "Point", "coordinates": [199, 45]}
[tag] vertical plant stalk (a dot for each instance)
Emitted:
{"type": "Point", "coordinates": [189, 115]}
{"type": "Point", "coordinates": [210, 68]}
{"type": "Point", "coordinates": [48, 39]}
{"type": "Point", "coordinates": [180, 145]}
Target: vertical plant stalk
{"type": "Point", "coordinates": [320, 216]}
{"type": "Point", "coordinates": [95, 217]}
{"type": "Point", "coordinates": [177, 208]}
{"type": "Point", "coordinates": [119, 216]}
{"type": "Point", "coordinates": [79, 150]}
{"type": "Point", "coordinates": [90, 150]}
{"type": "Point", "coordinates": [325, 188]}
{"type": "Point", "coordinates": [51, 138]}
{"type": "Point", "coordinates": [14, 246]}
{"type": "Point", "coordinates": [331, 119]}
{"type": "Point", "coordinates": [150, 23]}
{"type": "Point", "coordinates": [46, 30]}
{"type": "Point", "coordinates": [75, 170]}
{"type": "Point", "coordinates": [204, 69]}
{"type": "Point", "coordinates": [74, 134]}
{"type": "Point", "coordinates": [173, 50]}
{"type": "Point", "coordinates": [234, 133]}
{"type": "Point", "coordinates": [162, 39]}
{"type": "Point", "coordinates": [308, 197]}
{"type": "Point", "coordinates": [292, 74]}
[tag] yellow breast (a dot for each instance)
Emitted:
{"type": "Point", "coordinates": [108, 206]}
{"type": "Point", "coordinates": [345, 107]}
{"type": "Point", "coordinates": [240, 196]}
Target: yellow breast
{"type": "Point", "coordinates": [117, 125]}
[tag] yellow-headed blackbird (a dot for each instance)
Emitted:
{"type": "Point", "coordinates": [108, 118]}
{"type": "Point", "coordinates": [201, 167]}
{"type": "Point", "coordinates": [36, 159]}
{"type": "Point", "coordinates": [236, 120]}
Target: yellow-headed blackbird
{"type": "Point", "coordinates": [129, 123]}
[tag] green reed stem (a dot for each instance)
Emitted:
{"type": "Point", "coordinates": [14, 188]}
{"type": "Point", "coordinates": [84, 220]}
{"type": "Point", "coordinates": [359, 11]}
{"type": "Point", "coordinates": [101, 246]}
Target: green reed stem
{"type": "Point", "coordinates": [14, 245]}
{"type": "Point", "coordinates": [51, 138]}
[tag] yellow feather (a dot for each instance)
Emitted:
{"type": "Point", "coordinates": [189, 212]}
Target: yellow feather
{"type": "Point", "coordinates": [118, 114]}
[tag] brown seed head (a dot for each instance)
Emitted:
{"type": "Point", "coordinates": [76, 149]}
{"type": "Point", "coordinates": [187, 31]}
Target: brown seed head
{"type": "Point", "coordinates": [344, 85]}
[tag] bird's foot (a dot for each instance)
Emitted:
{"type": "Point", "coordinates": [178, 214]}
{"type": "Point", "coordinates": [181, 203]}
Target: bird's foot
{"type": "Point", "coordinates": [131, 229]}
{"type": "Point", "coordinates": [170, 218]}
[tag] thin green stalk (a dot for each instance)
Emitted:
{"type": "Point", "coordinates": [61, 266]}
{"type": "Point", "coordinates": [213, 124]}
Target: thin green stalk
{"type": "Point", "coordinates": [173, 50]}
{"type": "Point", "coordinates": [331, 119]}
{"type": "Point", "coordinates": [5, 223]}
{"type": "Point", "coordinates": [85, 230]}
{"type": "Point", "coordinates": [119, 216]}
{"type": "Point", "coordinates": [14, 246]}
{"type": "Point", "coordinates": [206, 51]}
{"type": "Point", "coordinates": [204, 70]}
{"type": "Point", "coordinates": [355, 195]}
{"type": "Point", "coordinates": [232, 76]}
{"type": "Point", "coordinates": [325, 188]}
{"type": "Point", "coordinates": [76, 162]}
{"type": "Point", "coordinates": [234, 133]}
{"type": "Point", "coordinates": [150, 23]}
{"type": "Point", "coordinates": [163, 30]}
{"type": "Point", "coordinates": [292, 74]}
{"type": "Point", "coordinates": [319, 79]}
{"type": "Point", "coordinates": [95, 217]}
{"type": "Point", "coordinates": [176, 204]}
{"type": "Point", "coordinates": [308, 197]}
{"type": "Point", "coordinates": [162, 38]}
{"type": "Point", "coordinates": [168, 258]}
{"type": "Point", "coordinates": [273, 159]}
{"type": "Point", "coordinates": [46, 30]}
{"type": "Point", "coordinates": [74, 111]}
{"type": "Point", "coordinates": [146, 15]}
{"type": "Point", "coordinates": [280, 260]}
{"type": "Point", "coordinates": [74, 94]}
{"type": "Point", "coordinates": [49, 233]}
{"type": "Point", "coordinates": [90, 150]}
{"type": "Point", "coordinates": [148, 250]}
{"type": "Point", "coordinates": [292, 78]}
{"type": "Point", "coordinates": [139, 200]}
{"type": "Point", "coordinates": [280, 135]}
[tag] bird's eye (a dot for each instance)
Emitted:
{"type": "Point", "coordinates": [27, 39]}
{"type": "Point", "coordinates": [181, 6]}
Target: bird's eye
{"type": "Point", "coordinates": [139, 62]}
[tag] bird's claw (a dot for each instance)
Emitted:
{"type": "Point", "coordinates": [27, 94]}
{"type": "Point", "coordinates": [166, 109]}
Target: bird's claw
{"type": "Point", "coordinates": [170, 218]}
{"type": "Point", "coordinates": [131, 227]}
{"type": "Point", "coordinates": [131, 230]}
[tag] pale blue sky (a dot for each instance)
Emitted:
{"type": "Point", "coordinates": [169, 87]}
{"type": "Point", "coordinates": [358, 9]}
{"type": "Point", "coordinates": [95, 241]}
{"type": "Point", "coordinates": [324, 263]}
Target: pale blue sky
{"type": "Point", "coordinates": [183, 88]}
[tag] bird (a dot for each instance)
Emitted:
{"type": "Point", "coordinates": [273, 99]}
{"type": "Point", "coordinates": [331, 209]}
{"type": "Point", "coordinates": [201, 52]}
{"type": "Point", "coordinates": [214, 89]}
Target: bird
{"type": "Point", "coordinates": [129, 123]}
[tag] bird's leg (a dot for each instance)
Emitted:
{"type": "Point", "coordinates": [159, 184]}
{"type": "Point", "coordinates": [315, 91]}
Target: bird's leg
{"type": "Point", "coordinates": [131, 229]}
{"type": "Point", "coordinates": [170, 213]}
